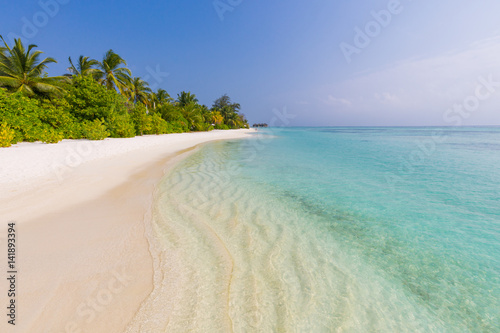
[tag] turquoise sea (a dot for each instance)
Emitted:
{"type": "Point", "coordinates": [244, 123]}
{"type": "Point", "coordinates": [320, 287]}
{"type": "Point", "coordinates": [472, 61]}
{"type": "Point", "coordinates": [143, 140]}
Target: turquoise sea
{"type": "Point", "coordinates": [333, 230]}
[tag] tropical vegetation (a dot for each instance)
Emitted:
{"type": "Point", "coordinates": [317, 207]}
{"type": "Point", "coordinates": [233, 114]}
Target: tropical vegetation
{"type": "Point", "coordinates": [94, 100]}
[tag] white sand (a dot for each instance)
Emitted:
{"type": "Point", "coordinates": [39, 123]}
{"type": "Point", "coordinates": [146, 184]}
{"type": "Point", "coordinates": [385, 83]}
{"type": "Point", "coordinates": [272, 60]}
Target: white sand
{"type": "Point", "coordinates": [81, 206]}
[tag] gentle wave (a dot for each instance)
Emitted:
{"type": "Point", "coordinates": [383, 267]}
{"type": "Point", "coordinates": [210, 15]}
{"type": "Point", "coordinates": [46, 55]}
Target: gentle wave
{"type": "Point", "coordinates": [254, 245]}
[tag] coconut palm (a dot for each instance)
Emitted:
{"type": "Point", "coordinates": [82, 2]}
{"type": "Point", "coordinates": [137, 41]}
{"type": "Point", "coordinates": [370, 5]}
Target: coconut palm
{"type": "Point", "coordinates": [191, 112]}
{"type": "Point", "coordinates": [185, 98]}
{"type": "Point", "coordinates": [216, 118]}
{"type": "Point", "coordinates": [85, 66]}
{"type": "Point", "coordinates": [232, 120]}
{"type": "Point", "coordinates": [111, 73]}
{"type": "Point", "coordinates": [224, 104]}
{"type": "Point", "coordinates": [138, 91]}
{"type": "Point", "coordinates": [2, 50]}
{"type": "Point", "coordinates": [22, 70]}
{"type": "Point", "coordinates": [159, 98]}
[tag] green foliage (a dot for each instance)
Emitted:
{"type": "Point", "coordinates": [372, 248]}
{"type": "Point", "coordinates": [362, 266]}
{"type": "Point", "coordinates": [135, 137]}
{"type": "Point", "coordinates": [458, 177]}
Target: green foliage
{"type": "Point", "coordinates": [111, 74]}
{"type": "Point", "coordinates": [49, 135]}
{"type": "Point", "coordinates": [170, 112]}
{"type": "Point", "coordinates": [23, 70]}
{"type": "Point", "coordinates": [137, 91]}
{"type": "Point", "coordinates": [185, 98]}
{"type": "Point", "coordinates": [121, 126]}
{"type": "Point", "coordinates": [221, 127]}
{"type": "Point", "coordinates": [94, 130]}
{"type": "Point", "coordinates": [203, 127]}
{"type": "Point", "coordinates": [88, 100]}
{"type": "Point", "coordinates": [141, 120]}
{"type": "Point", "coordinates": [159, 125]}
{"type": "Point", "coordinates": [95, 101]}
{"type": "Point", "coordinates": [25, 116]}
{"type": "Point", "coordinates": [229, 112]}
{"type": "Point", "coordinates": [159, 98]}
{"type": "Point", "coordinates": [179, 126]}
{"type": "Point", "coordinates": [6, 135]}
{"type": "Point", "coordinates": [85, 66]}
{"type": "Point", "coordinates": [56, 114]}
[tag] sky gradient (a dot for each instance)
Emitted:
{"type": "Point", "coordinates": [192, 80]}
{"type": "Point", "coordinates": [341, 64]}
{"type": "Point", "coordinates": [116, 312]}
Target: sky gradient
{"type": "Point", "coordinates": [407, 62]}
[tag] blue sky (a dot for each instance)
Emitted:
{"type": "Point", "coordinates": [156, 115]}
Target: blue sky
{"type": "Point", "coordinates": [407, 62]}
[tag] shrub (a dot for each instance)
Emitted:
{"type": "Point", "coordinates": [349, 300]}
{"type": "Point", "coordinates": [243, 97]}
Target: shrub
{"type": "Point", "coordinates": [179, 127]}
{"type": "Point", "coordinates": [6, 135]}
{"type": "Point", "coordinates": [56, 114]}
{"type": "Point", "coordinates": [50, 135]}
{"type": "Point", "coordinates": [121, 126]}
{"type": "Point", "coordinates": [94, 130]}
{"type": "Point", "coordinates": [142, 121]}
{"type": "Point", "coordinates": [221, 127]}
{"type": "Point", "coordinates": [159, 125]}
{"type": "Point", "coordinates": [22, 115]}
{"type": "Point", "coordinates": [88, 100]}
{"type": "Point", "coordinates": [203, 127]}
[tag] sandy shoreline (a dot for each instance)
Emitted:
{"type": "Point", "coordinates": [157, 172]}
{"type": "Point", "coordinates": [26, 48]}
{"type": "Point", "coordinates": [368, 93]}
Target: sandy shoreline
{"type": "Point", "coordinates": [83, 259]}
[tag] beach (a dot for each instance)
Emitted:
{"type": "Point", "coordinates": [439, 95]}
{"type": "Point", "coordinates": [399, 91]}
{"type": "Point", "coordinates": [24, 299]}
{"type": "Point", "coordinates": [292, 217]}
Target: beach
{"type": "Point", "coordinates": [321, 230]}
{"type": "Point", "coordinates": [293, 229]}
{"type": "Point", "coordinates": [81, 210]}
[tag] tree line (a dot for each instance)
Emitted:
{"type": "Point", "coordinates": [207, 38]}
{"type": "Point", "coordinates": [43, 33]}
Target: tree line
{"type": "Point", "coordinates": [94, 100]}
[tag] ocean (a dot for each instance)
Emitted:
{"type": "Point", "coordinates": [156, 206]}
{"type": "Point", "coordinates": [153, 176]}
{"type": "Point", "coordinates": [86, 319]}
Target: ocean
{"type": "Point", "coordinates": [334, 229]}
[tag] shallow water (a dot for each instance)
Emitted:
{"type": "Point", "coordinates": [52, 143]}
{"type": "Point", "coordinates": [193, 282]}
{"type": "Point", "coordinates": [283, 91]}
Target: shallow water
{"type": "Point", "coordinates": [331, 230]}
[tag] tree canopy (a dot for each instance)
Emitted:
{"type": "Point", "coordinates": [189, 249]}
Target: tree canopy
{"type": "Point", "coordinates": [94, 100]}
{"type": "Point", "coordinates": [23, 70]}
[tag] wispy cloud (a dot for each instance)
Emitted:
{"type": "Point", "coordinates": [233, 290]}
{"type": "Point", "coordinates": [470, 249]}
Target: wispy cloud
{"type": "Point", "coordinates": [331, 100]}
{"type": "Point", "coordinates": [419, 88]}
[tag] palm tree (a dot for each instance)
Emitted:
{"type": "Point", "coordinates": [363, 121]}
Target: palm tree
{"type": "Point", "coordinates": [216, 118]}
{"type": "Point", "coordinates": [224, 105]}
{"type": "Point", "coordinates": [22, 70]}
{"type": "Point", "coordinates": [192, 113]}
{"type": "Point", "coordinates": [160, 97]}
{"type": "Point", "coordinates": [185, 98]}
{"type": "Point", "coordinates": [232, 120]}
{"type": "Point", "coordinates": [84, 67]}
{"type": "Point", "coordinates": [2, 50]}
{"type": "Point", "coordinates": [138, 91]}
{"type": "Point", "coordinates": [111, 74]}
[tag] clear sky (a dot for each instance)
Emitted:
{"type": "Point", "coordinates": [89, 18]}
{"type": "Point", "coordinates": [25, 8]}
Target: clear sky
{"type": "Point", "coordinates": [326, 63]}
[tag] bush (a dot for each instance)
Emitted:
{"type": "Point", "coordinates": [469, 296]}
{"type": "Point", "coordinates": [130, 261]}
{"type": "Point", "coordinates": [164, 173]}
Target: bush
{"type": "Point", "coordinates": [179, 127]}
{"type": "Point", "coordinates": [50, 135]}
{"type": "Point", "coordinates": [56, 114]}
{"type": "Point", "coordinates": [24, 116]}
{"type": "Point", "coordinates": [159, 125]}
{"type": "Point", "coordinates": [88, 100]}
{"type": "Point", "coordinates": [6, 135]}
{"type": "Point", "coordinates": [142, 121]}
{"type": "Point", "coordinates": [221, 127]}
{"type": "Point", "coordinates": [94, 130]}
{"type": "Point", "coordinates": [121, 126]}
{"type": "Point", "coordinates": [203, 127]}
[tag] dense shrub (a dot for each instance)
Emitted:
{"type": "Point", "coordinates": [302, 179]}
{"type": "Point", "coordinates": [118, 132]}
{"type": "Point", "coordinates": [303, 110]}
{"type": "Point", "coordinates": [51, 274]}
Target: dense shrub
{"type": "Point", "coordinates": [23, 115]}
{"type": "Point", "coordinates": [179, 127]}
{"type": "Point", "coordinates": [89, 110]}
{"type": "Point", "coordinates": [202, 127]}
{"type": "Point", "coordinates": [221, 127]}
{"type": "Point", "coordinates": [171, 113]}
{"type": "Point", "coordinates": [141, 120]}
{"type": "Point", "coordinates": [6, 135]}
{"type": "Point", "coordinates": [94, 130]}
{"type": "Point", "coordinates": [159, 125]}
{"type": "Point", "coordinates": [88, 100]}
{"type": "Point", "coordinates": [56, 114]}
{"type": "Point", "coordinates": [121, 126]}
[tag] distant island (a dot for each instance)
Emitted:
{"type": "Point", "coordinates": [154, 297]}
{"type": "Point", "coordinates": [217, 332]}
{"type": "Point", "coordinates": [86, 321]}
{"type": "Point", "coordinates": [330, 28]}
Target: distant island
{"type": "Point", "coordinates": [260, 125]}
{"type": "Point", "coordinates": [94, 100]}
